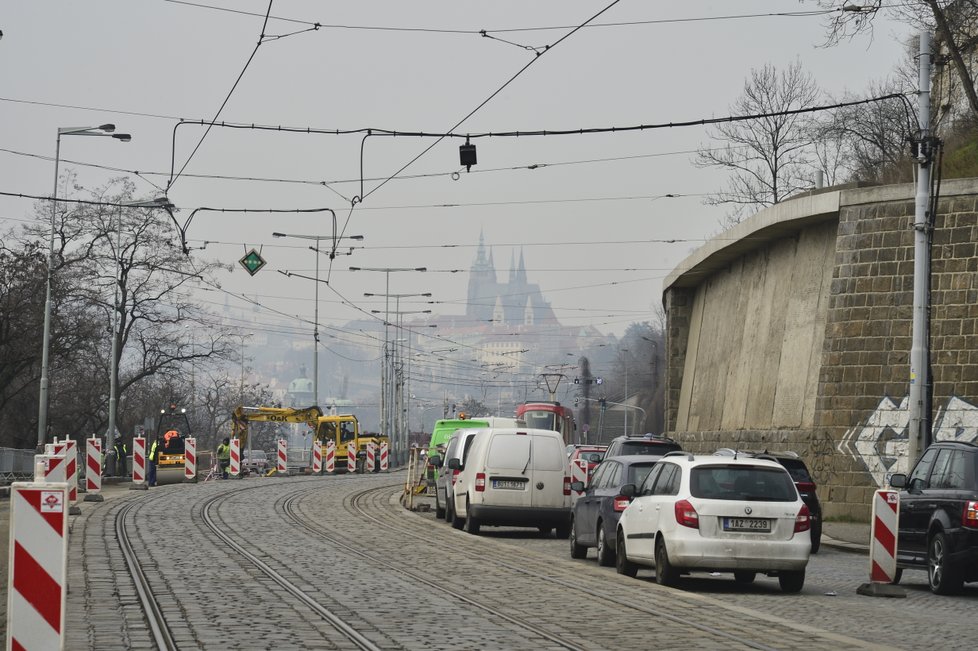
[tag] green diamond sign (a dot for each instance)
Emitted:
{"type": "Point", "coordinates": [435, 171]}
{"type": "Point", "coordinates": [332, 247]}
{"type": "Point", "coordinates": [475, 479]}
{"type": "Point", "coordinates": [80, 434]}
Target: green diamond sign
{"type": "Point", "coordinates": [252, 262]}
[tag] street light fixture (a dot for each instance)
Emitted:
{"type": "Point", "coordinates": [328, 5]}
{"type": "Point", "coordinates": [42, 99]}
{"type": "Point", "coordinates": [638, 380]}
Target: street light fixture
{"type": "Point", "coordinates": [315, 332]}
{"type": "Point", "coordinates": [161, 203]}
{"type": "Point", "coordinates": [104, 130]}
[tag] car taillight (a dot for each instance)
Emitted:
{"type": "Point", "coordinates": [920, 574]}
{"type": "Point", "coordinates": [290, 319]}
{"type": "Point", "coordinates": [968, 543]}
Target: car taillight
{"type": "Point", "coordinates": [455, 476]}
{"type": "Point", "coordinates": [970, 516]}
{"type": "Point", "coordinates": [803, 520]}
{"type": "Point", "coordinates": [480, 482]}
{"type": "Point", "coordinates": [686, 515]}
{"type": "Point", "coordinates": [567, 490]}
{"type": "Point", "coordinates": [621, 503]}
{"type": "Point", "coordinates": [806, 487]}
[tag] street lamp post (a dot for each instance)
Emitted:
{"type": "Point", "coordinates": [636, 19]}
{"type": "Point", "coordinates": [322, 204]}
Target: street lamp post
{"type": "Point", "coordinates": [160, 202]}
{"type": "Point", "coordinates": [385, 403]}
{"type": "Point", "coordinates": [315, 330]}
{"type": "Point", "coordinates": [107, 130]}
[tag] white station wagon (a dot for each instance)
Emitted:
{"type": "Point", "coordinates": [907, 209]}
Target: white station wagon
{"type": "Point", "coordinates": [715, 514]}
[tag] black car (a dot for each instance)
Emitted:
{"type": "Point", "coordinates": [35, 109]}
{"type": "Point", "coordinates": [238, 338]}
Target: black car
{"type": "Point", "coordinates": [648, 444]}
{"type": "Point", "coordinates": [596, 512]}
{"type": "Point", "coordinates": [938, 528]}
{"type": "Point", "coordinates": [803, 482]}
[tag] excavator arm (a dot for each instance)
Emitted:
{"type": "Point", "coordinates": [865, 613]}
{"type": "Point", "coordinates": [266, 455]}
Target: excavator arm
{"type": "Point", "coordinates": [243, 415]}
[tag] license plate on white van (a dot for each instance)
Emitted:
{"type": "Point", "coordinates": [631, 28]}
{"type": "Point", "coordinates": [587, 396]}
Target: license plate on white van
{"type": "Point", "coordinates": [508, 484]}
{"type": "Point", "coordinates": [746, 524]}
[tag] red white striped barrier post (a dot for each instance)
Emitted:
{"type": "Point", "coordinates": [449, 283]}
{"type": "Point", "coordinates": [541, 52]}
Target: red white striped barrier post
{"type": "Point", "coordinates": [578, 470]}
{"type": "Point", "coordinates": [70, 451]}
{"type": "Point", "coordinates": [235, 468]}
{"type": "Point", "coordinates": [883, 547]}
{"type": "Point", "coordinates": [283, 457]}
{"type": "Point", "coordinates": [190, 460]}
{"type": "Point", "coordinates": [53, 469]}
{"type": "Point", "coordinates": [139, 464]}
{"type": "Point", "coordinates": [385, 460]}
{"type": "Point", "coordinates": [351, 457]}
{"type": "Point", "coordinates": [93, 472]}
{"type": "Point", "coordinates": [317, 457]}
{"type": "Point", "coordinates": [36, 588]}
{"type": "Point", "coordinates": [371, 456]}
{"type": "Point", "coordinates": [331, 456]}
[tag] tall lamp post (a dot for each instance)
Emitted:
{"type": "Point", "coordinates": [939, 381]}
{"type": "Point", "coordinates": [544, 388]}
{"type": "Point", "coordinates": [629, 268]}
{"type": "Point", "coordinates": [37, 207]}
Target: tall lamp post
{"type": "Point", "coordinates": [106, 130]}
{"type": "Point", "coordinates": [385, 403]}
{"type": "Point", "coordinates": [163, 203]}
{"type": "Point", "coordinates": [315, 332]}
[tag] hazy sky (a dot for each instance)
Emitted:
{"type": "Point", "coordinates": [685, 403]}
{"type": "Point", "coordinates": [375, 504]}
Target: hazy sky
{"type": "Point", "coordinates": [583, 222]}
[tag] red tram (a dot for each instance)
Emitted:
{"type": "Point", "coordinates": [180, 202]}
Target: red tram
{"type": "Point", "coordinates": [549, 415]}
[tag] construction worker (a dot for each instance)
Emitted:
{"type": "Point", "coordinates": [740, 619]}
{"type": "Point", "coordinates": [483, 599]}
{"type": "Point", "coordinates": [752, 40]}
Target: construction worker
{"type": "Point", "coordinates": [224, 457]}
{"type": "Point", "coordinates": [154, 452]}
{"type": "Point", "coordinates": [120, 456]}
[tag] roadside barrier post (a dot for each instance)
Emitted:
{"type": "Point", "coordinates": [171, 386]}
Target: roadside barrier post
{"type": "Point", "coordinates": [235, 469]}
{"type": "Point", "coordinates": [139, 464]}
{"type": "Point", "coordinates": [882, 547]}
{"type": "Point", "coordinates": [70, 451]}
{"type": "Point", "coordinates": [282, 466]}
{"type": "Point", "coordinates": [384, 457]}
{"type": "Point", "coordinates": [371, 456]}
{"type": "Point", "coordinates": [351, 457]}
{"type": "Point", "coordinates": [578, 470]}
{"type": "Point", "coordinates": [317, 457]}
{"type": "Point", "coordinates": [93, 474]}
{"type": "Point", "coordinates": [331, 456]}
{"type": "Point", "coordinates": [36, 587]}
{"type": "Point", "coordinates": [54, 469]}
{"type": "Point", "coordinates": [190, 460]}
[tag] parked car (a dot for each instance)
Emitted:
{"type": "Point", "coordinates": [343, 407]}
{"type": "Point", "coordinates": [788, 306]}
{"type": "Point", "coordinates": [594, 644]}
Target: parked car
{"type": "Point", "coordinates": [595, 515]}
{"type": "Point", "coordinates": [513, 477]}
{"type": "Point", "coordinates": [456, 448]}
{"type": "Point", "coordinates": [593, 454]}
{"type": "Point", "coordinates": [254, 461]}
{"type": "Point", "coordinates": [715, 514]}
{"type": "Point", "coordinates": [648, 444]}
{"type": "Point", "coordinates": [803, 482]}
{"type": "Point", "coordinates": [938, 528]}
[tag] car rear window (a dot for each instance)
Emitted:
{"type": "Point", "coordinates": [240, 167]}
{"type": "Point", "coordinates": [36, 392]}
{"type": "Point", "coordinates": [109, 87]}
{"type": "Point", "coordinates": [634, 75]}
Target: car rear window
{"type": "Point", "coordinates": [637, 472]}
{"type": "Point", "coordinates": [547, 454]}
{"type": "Point", "coordinates": [509, 452]}
{"type": "Point", "coordinates": [796, 468]}
{"type": "Point", "coordinates": [647, 447]}
{"type": "Point", "coordinates": [742, 482]}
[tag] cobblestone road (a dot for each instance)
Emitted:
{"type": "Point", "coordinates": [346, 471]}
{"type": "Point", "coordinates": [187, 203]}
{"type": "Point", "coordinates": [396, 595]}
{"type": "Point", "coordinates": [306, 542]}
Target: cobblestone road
{"type": "Point", "coordinates": [493, 590]}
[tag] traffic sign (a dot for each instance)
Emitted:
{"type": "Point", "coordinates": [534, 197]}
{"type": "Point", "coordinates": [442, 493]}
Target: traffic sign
{"type": "Point", "coordinates": [252, 262]}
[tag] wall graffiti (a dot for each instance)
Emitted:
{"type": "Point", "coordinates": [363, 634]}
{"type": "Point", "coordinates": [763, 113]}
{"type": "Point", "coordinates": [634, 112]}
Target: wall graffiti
{"type": "Point", "coordinates": [880, 443]}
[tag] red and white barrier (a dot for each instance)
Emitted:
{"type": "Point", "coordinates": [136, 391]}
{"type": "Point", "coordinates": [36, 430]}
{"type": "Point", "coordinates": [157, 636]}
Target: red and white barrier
{"type": "Point", "coordinates": [578, 472]}
{"type": "Point", "coordinates": [53, 469]}
{"type": "Point", "coordinates": [37, 584]}
{"type": "Point", "coordinates": [385, 462]}
{"type": "Point", "coordinates": [190, 460]}
{"type": "Point", "coordinates": [93, 470]}
{"type": "Point", "coordinates": [351, 457]}
{"type": "Point", "coordinates": [317, 457]}
{"type": "Point", "coordinates": [68, 448]}
{"type": "Point", "coordinates": [331, 456]}
{"type": "Point", "coordinates": [371, 456]}
{"type": "Point", "coordinates": [882, 549]}
{"type": "Point", "coordinates": [283, 457]}
{"type": "Point", "coordinates": [235, 468]}
{"type": "Point", "coordinates": [139, 464]}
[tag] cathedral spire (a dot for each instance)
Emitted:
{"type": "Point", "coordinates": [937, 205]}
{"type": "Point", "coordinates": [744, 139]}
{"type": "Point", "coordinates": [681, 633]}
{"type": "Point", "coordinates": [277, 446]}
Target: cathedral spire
{"type": "Point", "coordinates": [521, 270]}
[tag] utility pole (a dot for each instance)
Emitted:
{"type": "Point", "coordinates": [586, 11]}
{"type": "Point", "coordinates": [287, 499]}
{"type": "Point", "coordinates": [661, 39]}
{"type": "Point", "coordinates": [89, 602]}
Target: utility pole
{"type": "Point", "coordinates": [919, 427]}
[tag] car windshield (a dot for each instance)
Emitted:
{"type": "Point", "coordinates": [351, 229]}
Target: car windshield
{"type": "Point", "coordinates": [592, 457]}
{"type": "Point", "coordinates": [742, 482]}
{"type": "Point", "coordinates": [645, 446]}
{"type": "Point", "coordinates": [637, 472]}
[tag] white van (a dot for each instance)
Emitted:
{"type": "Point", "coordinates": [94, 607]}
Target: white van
{"type": "Point", "coordinates": [513, 476]}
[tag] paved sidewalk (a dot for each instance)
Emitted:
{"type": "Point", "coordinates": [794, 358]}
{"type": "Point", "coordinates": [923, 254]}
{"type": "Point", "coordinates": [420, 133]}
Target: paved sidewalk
{"type": "Point", "coordinates": [846, 536]}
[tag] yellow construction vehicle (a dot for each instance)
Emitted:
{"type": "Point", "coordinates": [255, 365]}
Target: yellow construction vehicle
{"type": "Point", "coordinates": [340, 428]}
{"type": "Point", "coordinates": [172, 428]}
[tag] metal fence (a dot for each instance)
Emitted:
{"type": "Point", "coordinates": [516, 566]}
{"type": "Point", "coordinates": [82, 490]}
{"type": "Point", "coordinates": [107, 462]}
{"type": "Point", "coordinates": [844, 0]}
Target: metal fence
{"type": "Point", "coordinates": [16, 465]}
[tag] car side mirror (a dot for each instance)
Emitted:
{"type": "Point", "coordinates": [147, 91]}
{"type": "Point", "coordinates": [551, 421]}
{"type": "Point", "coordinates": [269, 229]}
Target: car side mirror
{"type": "Point", "coordinates": [898, 480]}
{"type": "Point", "coordinates": [577, 486]}
{"type": "Point", "coordinates": [455, 464]}
{"type": "Point", "coordinates": [628, 490]}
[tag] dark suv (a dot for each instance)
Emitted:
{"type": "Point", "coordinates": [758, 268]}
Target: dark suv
{"type": "Point", "coordinates": [648, 444]}
{"type": "Point", "coordinates": [938, 528]}
{"type": "Point", "coordinates": [803, 482]}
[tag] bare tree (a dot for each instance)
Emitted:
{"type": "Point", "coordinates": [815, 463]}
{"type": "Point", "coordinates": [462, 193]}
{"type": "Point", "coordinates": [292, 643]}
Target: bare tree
{"type": "Point", "coordinates": [954, 21]}
{"type": "Point", "coordinates": [769, 157]}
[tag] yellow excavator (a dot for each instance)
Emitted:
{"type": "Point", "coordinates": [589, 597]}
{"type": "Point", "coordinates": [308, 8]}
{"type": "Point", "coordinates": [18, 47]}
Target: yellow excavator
{"type": "Point", "coordinates": [340, 428]}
